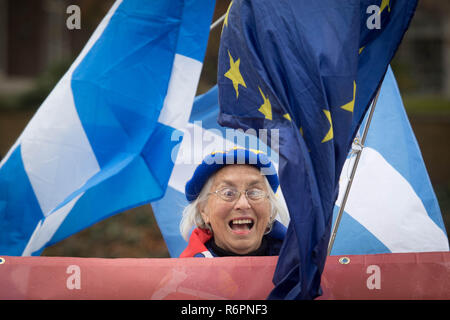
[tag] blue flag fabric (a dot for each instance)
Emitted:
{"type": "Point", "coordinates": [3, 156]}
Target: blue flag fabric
{"type": "Point", "coordinates": [308, 69]}
{"type": "Point", "coordinates": [100, 143]}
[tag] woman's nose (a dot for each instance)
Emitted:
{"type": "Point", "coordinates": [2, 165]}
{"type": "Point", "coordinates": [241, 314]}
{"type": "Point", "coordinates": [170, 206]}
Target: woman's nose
{"type": "Point", "coordinates": [242, 202]}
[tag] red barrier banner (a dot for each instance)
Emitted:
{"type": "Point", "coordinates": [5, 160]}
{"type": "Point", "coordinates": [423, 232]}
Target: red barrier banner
{"type": "Point", "coordinates": [381, 276]}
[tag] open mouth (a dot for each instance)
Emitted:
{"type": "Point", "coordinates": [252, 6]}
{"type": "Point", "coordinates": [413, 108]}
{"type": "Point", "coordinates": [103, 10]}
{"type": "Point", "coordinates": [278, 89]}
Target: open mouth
{"type": "Point", "coordinates": [241, 224]}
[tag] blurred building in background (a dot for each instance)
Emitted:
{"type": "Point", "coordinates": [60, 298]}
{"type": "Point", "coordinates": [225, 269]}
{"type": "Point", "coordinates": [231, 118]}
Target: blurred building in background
{"type": "Point", "coordinates": [34, 37]}
{"type": "Point", "coordinates": [422, 64]}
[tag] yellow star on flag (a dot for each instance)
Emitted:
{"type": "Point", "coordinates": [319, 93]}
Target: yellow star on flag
{"type": "Point", "coordinates": [235, 75]}
{"type": "Point", "coordinates": [225, 22]}
{"type": "Point", "coordinates": [351, 105]}
{"type": "Point", "coordinates": [266, 107]}
{"type": "Point", "coordinates": [384, 4]}
{"type": "Point", "coordinates": [329, 135]}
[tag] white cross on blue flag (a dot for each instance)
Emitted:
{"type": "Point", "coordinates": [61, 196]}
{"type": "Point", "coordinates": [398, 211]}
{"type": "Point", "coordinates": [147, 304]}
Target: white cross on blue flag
{"type": "Point", "coordinates": [100, 143]}
{"type": "Point", "coordinates": [391, 205]}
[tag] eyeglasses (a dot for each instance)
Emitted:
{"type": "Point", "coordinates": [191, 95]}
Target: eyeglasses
{"type": "Point", "coordinates": [231, 195]}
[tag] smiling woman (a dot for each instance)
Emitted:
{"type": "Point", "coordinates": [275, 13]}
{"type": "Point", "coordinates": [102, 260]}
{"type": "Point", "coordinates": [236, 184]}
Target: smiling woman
{"type": "Point", "coordinates": [233, 207]}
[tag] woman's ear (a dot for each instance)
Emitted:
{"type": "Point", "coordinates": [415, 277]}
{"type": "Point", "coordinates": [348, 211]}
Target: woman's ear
{"type": "Point", "coordinates": [202, 207]}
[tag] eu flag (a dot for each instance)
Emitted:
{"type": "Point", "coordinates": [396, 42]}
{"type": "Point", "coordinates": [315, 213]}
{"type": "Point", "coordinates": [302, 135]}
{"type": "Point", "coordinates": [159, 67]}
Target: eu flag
{"type": "Point", "coordinates": [310, 70]}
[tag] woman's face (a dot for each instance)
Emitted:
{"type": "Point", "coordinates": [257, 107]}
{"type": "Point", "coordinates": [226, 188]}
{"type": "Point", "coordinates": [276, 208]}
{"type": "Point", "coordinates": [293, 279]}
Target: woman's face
{"type": "Point", "coordinates": [238, 226]}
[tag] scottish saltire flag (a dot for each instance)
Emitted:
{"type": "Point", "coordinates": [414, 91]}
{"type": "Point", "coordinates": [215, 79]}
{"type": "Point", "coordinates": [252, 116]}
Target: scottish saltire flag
{"type": "Point", "coordinates": [309, 69]}
{"type": "Point", "coordinates": [407, 219]}
{"type": "Point", "coordinates": [391, 206]}
{"type": "Point", "coordinates": [101, 141]}
{"type": "Point", "coordinates": [202, 135]}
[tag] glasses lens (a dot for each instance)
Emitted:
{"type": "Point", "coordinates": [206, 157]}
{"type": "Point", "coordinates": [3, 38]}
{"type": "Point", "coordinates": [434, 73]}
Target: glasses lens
{"type": "Point", "coordinates": [228, 194]}
{"type": "Point", "coordinates": [255, 194]}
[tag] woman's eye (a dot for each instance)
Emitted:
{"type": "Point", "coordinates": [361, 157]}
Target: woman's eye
{"type": "Point", "coordinates": [254, 193]}
{"type": "Point", "coordinates": [228, 193]}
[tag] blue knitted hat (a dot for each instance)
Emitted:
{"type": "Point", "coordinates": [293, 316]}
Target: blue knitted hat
{"type": "Point", "coordinates": [217, 160]}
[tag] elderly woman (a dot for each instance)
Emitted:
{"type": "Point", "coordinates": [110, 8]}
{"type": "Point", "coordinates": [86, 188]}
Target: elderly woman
{"type": "Point", "coordinates": [233, 207]}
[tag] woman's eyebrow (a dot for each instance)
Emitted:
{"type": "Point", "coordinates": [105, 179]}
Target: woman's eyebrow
{"type": "Point", "coordinates": [252, 183]}
{"type": "Point", "coordinates": [226, 182]}
{"type": "Point", "coordinates": [232, 184]}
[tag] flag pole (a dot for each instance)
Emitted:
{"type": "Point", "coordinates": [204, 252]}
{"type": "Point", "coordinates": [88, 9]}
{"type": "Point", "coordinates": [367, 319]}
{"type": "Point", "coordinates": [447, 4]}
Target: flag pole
{"type": "Point", "coordinates": [352, 175]}
{"type": "Point", "coordinates": [217, 22]}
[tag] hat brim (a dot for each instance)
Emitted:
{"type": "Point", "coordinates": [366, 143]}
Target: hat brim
{"type": "Point", "coordinates": [217, 160]}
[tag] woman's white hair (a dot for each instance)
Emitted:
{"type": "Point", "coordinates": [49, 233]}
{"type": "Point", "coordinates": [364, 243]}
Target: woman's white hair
{"type": "Point", "coordinates": [192, 217]}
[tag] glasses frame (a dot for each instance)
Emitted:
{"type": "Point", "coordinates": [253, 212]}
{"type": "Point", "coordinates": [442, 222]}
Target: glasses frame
{"type": "Point", "coordinates": [239, 193]}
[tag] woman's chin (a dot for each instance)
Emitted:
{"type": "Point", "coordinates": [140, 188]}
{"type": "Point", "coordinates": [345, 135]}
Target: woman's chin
{"type": "Point", "coordinates": [243, 246]}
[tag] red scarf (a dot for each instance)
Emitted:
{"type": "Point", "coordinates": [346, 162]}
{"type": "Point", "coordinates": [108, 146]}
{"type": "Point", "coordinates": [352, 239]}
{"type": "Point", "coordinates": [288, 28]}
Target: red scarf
{"type": "Point", "coordinates": [196, 243]}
